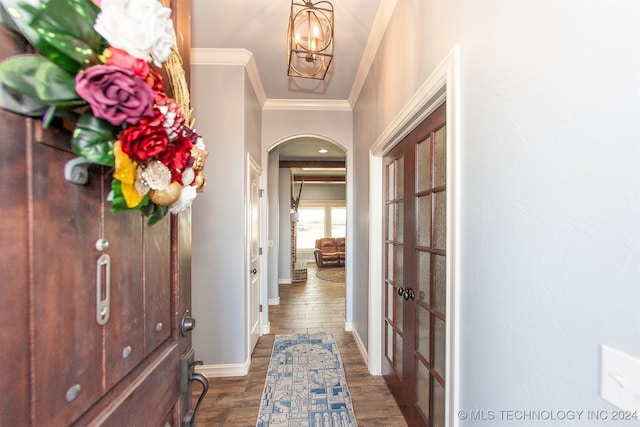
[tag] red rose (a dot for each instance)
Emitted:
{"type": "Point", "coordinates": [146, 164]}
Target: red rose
{"type": "Point", "coordinates": [146, 140]}
{"type": "Point", "coordinates": [122, 59]}
{"type": "Point", "coordinates": [176, 157]}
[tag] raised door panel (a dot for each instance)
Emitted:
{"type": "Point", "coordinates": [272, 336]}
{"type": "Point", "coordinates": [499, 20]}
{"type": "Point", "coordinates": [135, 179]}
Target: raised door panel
{"type": "Point", "coordinates": [124, 331]}
{"type": "Point", "coordinates": [67, 341]}
{"type": "Point", "coordinates": [157, 284]}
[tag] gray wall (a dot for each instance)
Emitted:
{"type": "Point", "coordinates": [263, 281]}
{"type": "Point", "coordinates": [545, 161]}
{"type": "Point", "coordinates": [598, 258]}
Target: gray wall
{"type": "Point", "coordinates": [273, 239]}
{"type": "Point", "coordinates": [313, 191]}
{"type": "Point", "coordinates": [231, 129]}
{"type": "Point", "coordinates": [335, 126]}
{"type": "Point", "coordinates": [550, 264]}
{"type": "Point", "coordinates": [284, 250]}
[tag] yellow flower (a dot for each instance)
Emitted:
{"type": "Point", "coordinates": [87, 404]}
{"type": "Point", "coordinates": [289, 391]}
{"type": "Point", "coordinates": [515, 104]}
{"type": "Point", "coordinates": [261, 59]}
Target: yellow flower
{"type": "Point", "coordinates": [125, 172]}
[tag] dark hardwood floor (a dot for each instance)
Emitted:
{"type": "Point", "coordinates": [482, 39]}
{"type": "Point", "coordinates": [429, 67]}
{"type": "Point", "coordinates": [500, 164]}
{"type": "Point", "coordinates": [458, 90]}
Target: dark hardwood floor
{"type": "Point", "coordinates": [311, 306]}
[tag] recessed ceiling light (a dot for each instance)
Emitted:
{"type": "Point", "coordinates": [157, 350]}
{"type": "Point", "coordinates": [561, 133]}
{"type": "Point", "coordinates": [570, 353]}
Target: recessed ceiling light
{"type": "Point", "coordinates": [323, 150]}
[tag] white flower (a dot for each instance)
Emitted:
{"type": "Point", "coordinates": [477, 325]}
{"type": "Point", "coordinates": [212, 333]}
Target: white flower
{"type": "Point", "coordinates": [143, 28]}
{"type": "Point", "coordinates": [187, 197]}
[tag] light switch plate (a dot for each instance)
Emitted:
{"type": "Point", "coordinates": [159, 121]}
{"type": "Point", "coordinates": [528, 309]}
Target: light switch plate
{"type": "Point", "coordinates": [620, 381]}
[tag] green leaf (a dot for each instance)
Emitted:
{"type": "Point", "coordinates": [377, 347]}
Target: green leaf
{"type": "Point", "coordinates": [61, 30]}
{"type": "Point", "coordinates": [19, 73]}
{"type": "Point", "coordinates": [119, 204]}
{"type": "Point", "coordinates": [154, 213]}
{"type": "Point", "coordinates": [19, 103]}
{"type": "Point", "coordinates": [37, 77]}
{"type": "Point", "coordinates": [54, 85]}
{"type": "Point", "coordinates": [93, 139]}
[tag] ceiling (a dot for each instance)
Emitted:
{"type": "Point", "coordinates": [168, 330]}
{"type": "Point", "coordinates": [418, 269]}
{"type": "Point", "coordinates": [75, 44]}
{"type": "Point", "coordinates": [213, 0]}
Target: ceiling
{"type": "Point", "coordinates": [260, 27]}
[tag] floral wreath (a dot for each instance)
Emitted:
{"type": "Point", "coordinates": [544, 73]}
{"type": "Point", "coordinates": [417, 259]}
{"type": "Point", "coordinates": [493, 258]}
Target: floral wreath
{"type": "Point", "coordinates": [98, 63]}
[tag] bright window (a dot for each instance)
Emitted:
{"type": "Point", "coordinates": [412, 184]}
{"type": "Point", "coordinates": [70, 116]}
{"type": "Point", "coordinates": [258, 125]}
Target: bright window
{"type": "Point", "coordinates": [317, 220]}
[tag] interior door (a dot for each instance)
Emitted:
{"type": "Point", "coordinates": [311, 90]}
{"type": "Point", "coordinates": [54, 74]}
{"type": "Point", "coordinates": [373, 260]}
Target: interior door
{"type": "Point", "coordinates": [253, 280]}
{"type": "Point", "coordinates": [415, 271]}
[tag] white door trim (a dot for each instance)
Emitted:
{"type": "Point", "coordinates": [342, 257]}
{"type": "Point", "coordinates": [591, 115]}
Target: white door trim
{"type": "Point", "coordinates": [442, 85]}
{"type": "Point", "coordinates": [252, 165]}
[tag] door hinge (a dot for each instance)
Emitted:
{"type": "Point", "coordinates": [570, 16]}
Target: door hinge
{"type": "Point", "coordinates": [260, 308]}
{"type": "Point", "coordinates": [259, 251]}
{"type": "Point", "coordinates": [260, 192]}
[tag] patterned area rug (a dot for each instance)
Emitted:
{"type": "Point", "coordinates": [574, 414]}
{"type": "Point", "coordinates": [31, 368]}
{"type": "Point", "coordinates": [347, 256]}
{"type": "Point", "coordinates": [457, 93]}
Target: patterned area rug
{"type": "Point", "coordinates": [306, 384]}
{"type": "Point", "coordinates": [332, 274]}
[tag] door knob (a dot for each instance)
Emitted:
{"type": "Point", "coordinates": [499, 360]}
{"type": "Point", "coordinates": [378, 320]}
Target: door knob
{"type": "Point", "coordinates": [187, 323]}
{"type": "Point", "coordinates": [254, 271]}
{"type": "Point", "coordinates": [408, 295]}
{"type": "Point", "coordinates": [401, 291]}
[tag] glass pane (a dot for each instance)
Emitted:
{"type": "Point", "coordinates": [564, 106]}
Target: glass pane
{"type": "Point", "coordinates": [389, 301]}
{"type": "Point", "coordinates": [400, 178]}
{"type": "Point", "coordinates": [399, 267]}
{"type": "Point", "coordinates": [440, 157]}
{"type": "Point", "coordinates": [424, 333]}
{"type": "Point", "coordinates": [391, 221]}
{"type": "Point", "coordinates": [423, 162]}
{"type": "Point", "coordinates": [440, 221]}
{"type": "Point", "coordinates": [422, 398]}
{"type": "Point", "coordinates": [438, 404]}
{"type": "Point", "coordinates": [399, 313]}
{"type": "Point", "coordinates": [310, 226]}
{"type": "Point", "coordinates": [424, 220]}
{"type": "Point", "coordinates": [397, 354]}
{"type": "Point", "coordinates": [440, 269]}
{"type": "Point", "coordinates": [399, 222]}
{"type": "Point", "coordinates": [338, 222]}
{"type": "Point", "coordinates": [389, 342]}
{"type": "Point", "coordinates": [439, 346]}
{"type": "Point", "coordinates": [391, 181]}
{"type": "Point", "coordinates": [424, 274]}
{"type": "Point", "coordinates": [390, 263]}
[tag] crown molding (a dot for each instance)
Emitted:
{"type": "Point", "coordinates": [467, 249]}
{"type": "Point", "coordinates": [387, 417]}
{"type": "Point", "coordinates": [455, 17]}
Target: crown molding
{"type": "Point", "coordinates": [307, 104]}
{"type": "Point", "coordinates": [378, 28]}
{"type": "Point", "coordinates": [242, 57]}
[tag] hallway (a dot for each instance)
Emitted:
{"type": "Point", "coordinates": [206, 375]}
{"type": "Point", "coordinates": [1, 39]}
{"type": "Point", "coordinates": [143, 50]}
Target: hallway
{"type": "Point", "coordinates": [314, 305]}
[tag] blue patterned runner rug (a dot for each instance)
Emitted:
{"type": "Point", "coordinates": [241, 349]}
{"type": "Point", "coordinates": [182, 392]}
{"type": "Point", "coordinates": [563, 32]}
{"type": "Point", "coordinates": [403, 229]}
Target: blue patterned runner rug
{"type": "Point", "coordinates": [306, 384]}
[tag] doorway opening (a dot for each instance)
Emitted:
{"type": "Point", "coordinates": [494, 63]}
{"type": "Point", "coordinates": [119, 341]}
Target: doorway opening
{"type": "Point", "coordinates": [307, 202]}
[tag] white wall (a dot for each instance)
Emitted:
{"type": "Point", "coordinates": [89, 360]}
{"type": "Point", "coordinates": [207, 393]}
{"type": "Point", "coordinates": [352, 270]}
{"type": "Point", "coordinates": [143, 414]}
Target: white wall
{"type": "Point", "coordinates": [550, 185]}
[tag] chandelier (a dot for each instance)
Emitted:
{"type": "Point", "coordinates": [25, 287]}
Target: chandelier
{"type": "Point", "coordinates": [310, 39]}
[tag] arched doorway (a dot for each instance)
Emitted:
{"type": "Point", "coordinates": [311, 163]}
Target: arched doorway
{"type": "Point", "coordinates": [305, 172]}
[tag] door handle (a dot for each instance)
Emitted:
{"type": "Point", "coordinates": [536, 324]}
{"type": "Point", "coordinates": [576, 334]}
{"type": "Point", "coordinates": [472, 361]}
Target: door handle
{"type": "Point", "coordinates": [187, 366]}
{"type": "Point", "coordinates": [205, 388]}
{"type": "Point", "coordinates": [254, 271]}
{"type": "Point", "coordinates": [408, 295]}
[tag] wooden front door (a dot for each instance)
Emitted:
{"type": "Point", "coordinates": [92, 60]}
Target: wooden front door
{"type": "Point", "coordinates": [91, 303]}
{"type": "Point", "coordinates": [415, 272]}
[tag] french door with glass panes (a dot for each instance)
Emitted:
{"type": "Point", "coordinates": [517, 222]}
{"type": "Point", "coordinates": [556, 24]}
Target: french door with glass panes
{"type": "Point", "coordinates": [415, 271]}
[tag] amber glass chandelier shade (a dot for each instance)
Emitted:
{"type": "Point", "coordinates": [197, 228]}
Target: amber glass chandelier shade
{"type": "Point", "coordinates": [310, 39]}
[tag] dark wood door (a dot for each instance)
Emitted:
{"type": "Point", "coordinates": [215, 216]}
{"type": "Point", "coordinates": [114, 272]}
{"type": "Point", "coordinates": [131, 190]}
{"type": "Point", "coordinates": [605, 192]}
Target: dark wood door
{"type": "Point", "coordinates": [415, 271]}
{"type": "Point", "coordinates": [63, 361]}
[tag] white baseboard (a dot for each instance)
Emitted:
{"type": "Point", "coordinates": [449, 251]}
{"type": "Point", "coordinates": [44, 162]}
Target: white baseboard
{"type": "Point", "coordinates": [348, 326]}
{"type": "Point", "coordinates": [284, 281]}
{"type": "Point", "coordinates": [266, 329]}
{"type": "Point", "coordinates": [363, 350]}
{"type": "Point", "coordinates": [229, 370]}
{"type": "Point", "coordinates": [274, 301]}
